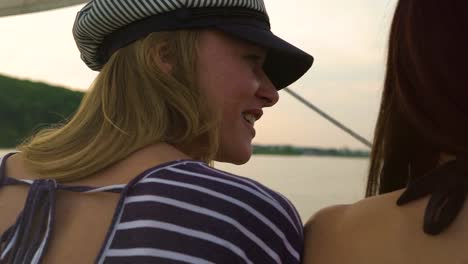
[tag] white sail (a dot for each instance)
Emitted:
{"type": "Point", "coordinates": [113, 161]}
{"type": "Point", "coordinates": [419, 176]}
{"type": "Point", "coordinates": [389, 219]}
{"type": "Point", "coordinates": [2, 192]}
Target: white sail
{"type": "Point", "coordinates": [16, 7]}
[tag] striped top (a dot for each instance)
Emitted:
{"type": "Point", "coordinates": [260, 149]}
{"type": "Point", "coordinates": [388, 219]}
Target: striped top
{"type": "Point", "coordinates": [177, 212]}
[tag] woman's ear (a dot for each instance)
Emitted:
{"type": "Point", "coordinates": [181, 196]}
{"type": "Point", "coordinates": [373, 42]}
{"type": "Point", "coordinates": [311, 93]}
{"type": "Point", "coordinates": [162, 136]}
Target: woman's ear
{"type": "Point", "coordinates": [162, 57]}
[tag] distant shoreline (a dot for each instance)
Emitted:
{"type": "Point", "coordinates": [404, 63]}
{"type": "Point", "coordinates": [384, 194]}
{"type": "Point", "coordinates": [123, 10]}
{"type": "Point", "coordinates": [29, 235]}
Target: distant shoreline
{"type": "Point", "coordinates": [275, 150]}
{"type": "Point", "coordinates": [312, 155]}
{"type": "Point", "coordinates": [288, 150]}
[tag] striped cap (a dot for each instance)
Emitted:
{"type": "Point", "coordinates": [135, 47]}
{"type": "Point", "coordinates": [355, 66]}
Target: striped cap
{"type": "Point", "coordinates": [104, 26]}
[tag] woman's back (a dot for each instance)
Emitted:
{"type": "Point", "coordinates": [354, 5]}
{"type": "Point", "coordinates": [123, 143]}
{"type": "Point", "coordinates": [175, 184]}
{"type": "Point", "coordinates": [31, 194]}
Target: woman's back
{"type": "Point", "coordinates": [177, 211]}
{"type": "Point", "coordinates": [81, 221]}
{"type": "Point", "coordinates": [376, 230]}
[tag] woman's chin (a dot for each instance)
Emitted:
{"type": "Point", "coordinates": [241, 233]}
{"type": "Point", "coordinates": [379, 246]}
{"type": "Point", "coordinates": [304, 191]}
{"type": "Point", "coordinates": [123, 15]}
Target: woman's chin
{"type": "Point", "coordinates": [237, 158]}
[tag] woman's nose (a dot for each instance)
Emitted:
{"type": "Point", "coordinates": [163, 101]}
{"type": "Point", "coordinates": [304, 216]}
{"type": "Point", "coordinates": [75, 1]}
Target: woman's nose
{"type": "Point", "coordinates": [267, 92]}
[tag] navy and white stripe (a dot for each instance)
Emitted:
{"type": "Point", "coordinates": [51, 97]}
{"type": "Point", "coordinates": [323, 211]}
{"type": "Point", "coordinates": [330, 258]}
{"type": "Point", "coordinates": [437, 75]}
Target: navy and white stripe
{"type": "Point", "coordinates": [101, 18]}
{"type": "Point", "coordinates": [188, 232]}
{"type": "Point", "coordinates": [215, 216]}
{"type": "Point", "coordinates": [188, 212]}
{"type": "Point", "coordinates": [23, 243]}
{"type": "Point", "coordinates": [252, 186]}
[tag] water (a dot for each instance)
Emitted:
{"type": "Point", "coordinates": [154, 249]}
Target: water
{"type": "Point", "coordinates": [311, 183]}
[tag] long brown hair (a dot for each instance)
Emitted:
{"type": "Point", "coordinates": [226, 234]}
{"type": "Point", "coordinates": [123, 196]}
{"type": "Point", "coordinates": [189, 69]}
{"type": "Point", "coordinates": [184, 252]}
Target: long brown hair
{"type": "Point", "coordinates": [424, 108]}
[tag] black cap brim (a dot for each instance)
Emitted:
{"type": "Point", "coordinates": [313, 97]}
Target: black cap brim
{"type": "Point", "coordinates": [284, 64]}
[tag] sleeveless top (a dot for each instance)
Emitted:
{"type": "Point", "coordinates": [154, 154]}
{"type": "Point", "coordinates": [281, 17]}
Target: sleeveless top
{"type": "Point", "coordinates": [178, 212]}
{"type": "Point", "coordinates": [447, 186]}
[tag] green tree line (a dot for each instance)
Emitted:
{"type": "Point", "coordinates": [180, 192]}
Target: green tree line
{"type": "Point", "coordinates": [27, 106]}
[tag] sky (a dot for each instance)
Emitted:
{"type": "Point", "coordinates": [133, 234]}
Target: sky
{"type": "Point", "coordinates": [348, 40]}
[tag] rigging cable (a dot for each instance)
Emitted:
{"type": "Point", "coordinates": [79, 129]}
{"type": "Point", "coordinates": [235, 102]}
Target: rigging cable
{"type": "Point", "coordinates": [329, 118]}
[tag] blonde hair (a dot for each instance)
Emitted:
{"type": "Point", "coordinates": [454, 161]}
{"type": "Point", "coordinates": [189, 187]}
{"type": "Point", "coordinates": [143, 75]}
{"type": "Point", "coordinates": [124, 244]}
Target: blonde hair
{"type": "Point", "coordinates": [131, 104]}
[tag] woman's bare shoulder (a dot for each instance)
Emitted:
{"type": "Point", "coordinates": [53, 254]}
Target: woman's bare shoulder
{"type": "Point", "coordinates": [340, 233]}
{"type": "Point", "coordinates": [324, 237]}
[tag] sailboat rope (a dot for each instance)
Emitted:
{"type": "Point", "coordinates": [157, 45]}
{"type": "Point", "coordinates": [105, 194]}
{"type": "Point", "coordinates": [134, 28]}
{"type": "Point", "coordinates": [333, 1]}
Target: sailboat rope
{"type": "Point", "coordinates": [329, 118]}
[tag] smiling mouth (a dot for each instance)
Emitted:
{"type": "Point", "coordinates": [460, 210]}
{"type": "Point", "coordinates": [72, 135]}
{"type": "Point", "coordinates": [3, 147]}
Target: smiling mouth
{"type": "Point", "coordinates": [249, 118]}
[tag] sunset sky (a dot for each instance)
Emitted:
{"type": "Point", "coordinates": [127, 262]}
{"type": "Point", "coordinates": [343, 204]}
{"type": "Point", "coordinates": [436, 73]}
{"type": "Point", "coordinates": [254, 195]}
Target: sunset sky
{"type": "Point", "coordinates": [347, 38]}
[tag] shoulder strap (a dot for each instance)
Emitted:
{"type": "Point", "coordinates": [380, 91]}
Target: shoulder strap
{"type": "Point", "coordinates": [27, 240]}
{"type": "Point", "coordinates": [3, 160]}
{"type": "Point", "coordinates": [447, 186]}
{"type": "Point", "coordinates": [4, 180]}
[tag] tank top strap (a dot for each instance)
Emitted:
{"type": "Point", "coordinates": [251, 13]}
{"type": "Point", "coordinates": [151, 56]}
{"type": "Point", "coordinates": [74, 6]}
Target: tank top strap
{"type": "Point", "coordinates": [3, 178]}
{"type": "Point", "coordinates": [27, 240]}
{"type": "Point", "coordinates": [117, 188]}
{"type": "Point", "coordinates": [447, 187]}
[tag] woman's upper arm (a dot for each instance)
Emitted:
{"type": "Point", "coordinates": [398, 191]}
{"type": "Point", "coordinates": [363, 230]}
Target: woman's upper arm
{"type": "Point", "coordinates": [325, 238]}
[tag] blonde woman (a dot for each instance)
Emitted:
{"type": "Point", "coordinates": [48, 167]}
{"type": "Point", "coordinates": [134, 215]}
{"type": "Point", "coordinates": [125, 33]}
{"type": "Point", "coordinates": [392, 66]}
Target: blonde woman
{"type": "Point", "coordinates": [127, 178]}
